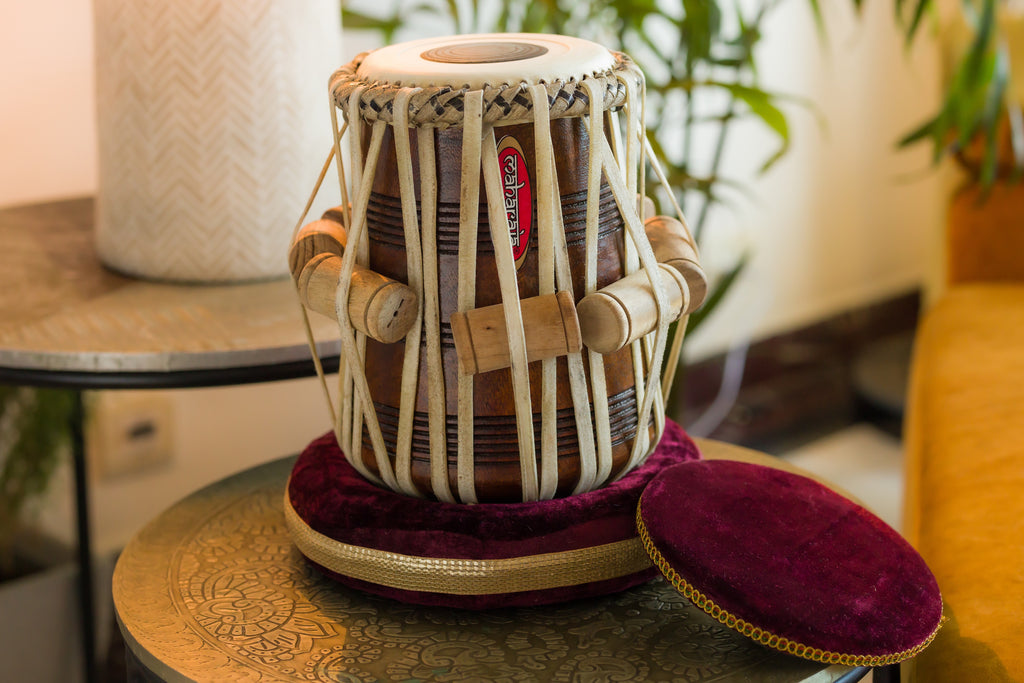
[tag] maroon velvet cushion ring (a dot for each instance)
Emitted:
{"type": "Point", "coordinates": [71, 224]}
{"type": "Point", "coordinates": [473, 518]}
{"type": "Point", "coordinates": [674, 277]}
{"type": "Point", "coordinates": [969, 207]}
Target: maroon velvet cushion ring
{"type": "Point", "coordinates": [471, 556]}
{"type": "Point", "coordinates": [790, 563]}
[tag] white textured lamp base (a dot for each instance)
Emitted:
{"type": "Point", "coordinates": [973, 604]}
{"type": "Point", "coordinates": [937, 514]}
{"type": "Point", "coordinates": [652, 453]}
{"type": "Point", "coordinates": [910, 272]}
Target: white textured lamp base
{"type": "Point", "coordinates": [212, 118]}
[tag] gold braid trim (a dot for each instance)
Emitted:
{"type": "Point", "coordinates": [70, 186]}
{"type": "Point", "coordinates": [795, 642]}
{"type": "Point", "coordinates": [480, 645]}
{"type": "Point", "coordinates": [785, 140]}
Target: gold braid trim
{"type": "Point", "coordinates": [763, 636]}
{"type": "Point", "coordinates": [457, 576]}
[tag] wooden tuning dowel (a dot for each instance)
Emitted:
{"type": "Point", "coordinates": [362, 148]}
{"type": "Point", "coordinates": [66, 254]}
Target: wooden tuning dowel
{"type": "Point", "coordinates": [481, 337]}
{"type": "Point", "coordinates": [378, 306]}
{"type": "Point", "coordinates": [647, 205]}
{"type": "Point", "coordinates": [673, 246]}
{"type": "Point", "coordinates": [325, 236]}
{"type": "Point", "coordinates": [626, 310]}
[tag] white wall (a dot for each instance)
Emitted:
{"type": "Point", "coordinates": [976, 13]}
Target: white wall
{"type": "Point", "coordinates": [47, 106]}
{"type": "Point", "coordinates": [836, 225]}
{"type": "Point", "coordinates": [844, 219]}
{"type": "Point", "coordinates": [216, 432]}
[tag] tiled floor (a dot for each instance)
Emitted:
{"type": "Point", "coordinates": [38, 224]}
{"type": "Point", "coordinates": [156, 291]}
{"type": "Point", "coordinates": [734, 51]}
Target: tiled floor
{"type": "Point", "coordinates": [863, 460]}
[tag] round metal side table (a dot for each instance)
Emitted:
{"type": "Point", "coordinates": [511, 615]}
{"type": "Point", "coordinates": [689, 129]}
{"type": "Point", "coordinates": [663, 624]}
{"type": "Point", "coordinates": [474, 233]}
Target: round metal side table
{"type": "Point", "coordinates": [213, 589]}
{"type": "Point", "coordinates": [67, 322]}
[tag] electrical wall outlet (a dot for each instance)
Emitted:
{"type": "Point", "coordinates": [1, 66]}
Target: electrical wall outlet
{"type": "Point", "coordinates": [129, 432]}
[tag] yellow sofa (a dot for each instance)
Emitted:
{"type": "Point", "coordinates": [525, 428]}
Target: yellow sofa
{"type": "Point", "coordinates": [965, 445]}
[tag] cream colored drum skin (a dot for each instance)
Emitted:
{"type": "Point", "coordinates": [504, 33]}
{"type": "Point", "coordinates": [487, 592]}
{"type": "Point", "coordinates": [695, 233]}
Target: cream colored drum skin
{"type": "Point", "coordinates": [475, 62]}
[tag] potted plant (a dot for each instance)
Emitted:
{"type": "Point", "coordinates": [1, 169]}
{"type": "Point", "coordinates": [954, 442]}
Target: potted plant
{"type": "Point", "coordinates": [980, 125]}
{"type": "Point", "coordinates": [37, 574]}
{"type": "Point", "coordinates": [979, 121]}
{"type": "Point", "coordinates": [33, 439]}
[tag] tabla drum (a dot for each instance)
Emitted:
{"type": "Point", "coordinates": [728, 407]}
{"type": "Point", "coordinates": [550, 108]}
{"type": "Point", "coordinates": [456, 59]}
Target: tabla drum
{"type": "Point", "coordinates": [503, 315]}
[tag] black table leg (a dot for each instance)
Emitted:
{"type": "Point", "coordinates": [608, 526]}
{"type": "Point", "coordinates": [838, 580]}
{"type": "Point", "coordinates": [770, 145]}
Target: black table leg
{"type": "Point", "coordinates": [887, 674]}
{"type": "Point", "coordinates": [854, 675]}
{"type": "Point", "coordinates": [85, 580]}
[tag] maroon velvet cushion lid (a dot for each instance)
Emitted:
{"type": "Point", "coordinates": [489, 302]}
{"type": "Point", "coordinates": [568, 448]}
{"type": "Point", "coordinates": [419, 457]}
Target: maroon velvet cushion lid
{"type": "Point", "coordinates": [790, 563]}
{"type": "Point", "coordinates": [344, 524]}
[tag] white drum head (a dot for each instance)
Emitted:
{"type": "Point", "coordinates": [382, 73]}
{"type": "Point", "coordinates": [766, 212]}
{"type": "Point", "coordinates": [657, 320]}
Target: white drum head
{"type": "Point", "coordinates": [486, 59]}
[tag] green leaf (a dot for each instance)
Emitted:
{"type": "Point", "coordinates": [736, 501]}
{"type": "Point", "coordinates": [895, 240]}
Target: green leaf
{"type": "Point", "coordinates": [984, 30]}
{"type": "Point", "coordinates": [990, 117]}
{"type": "Point", "coordinates": [969, 95]}
{"type": "Point", "coordinates": [630, 11]}
{"type": "Point", "coordinates": [453, 11]}
{"type": "Point", "coordinates": [996, 90]}
{"type": "Point", "coordinates": [974, 96]}
{"type": "Point", "coordinates": [363, 22]}
{"type": "Point", "coordinates": [915, 20]}
{"type": "Point", "coordinates": [819, 20]}
{"type": "Point", "coordinates": [717, 294]}
{"type": "Point", "coordinates": [36, 432]}
{"type": "Point", "coordinates": [698, 28]}
{"type": "Point", "coordinates": [918, 134]}
{"type": "Point", "coordinates": [774, 158]}
{"type": "Point", "coordinates": [536, 18]}
{"type": "Point", "coordinates": [762, 106]}
{"type": "Point", "coordinates": [742, 46]}
{"type": "Point", "coordinates": [657, 147]}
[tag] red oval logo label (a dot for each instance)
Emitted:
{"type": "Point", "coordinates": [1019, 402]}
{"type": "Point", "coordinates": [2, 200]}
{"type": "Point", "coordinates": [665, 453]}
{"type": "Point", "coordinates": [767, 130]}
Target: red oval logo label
{"type": "Point", "coordinates": [517, 195]}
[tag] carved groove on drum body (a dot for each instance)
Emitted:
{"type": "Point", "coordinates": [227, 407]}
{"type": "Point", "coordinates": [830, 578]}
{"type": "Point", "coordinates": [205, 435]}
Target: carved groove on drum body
{"type": "Point", "coordinates": [496, 445]}
{"type": "Point", "coordinates": [385, 221]}
{"type": "Point", "coordinates": [497, 432]}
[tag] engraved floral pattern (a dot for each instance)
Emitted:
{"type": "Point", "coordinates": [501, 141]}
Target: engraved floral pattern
{"type": "Point", "coordinates": [535, 647]}
{"type": "Point", "coordinates": [452, 656]}
{"type": "Point", "coordinates": [603, 668]}
{"type": "Point", "coordinates": [241, 593]}
{"type": "Point", "coordinates": [700, 652]}
{"type": "Point", "coordinates": [384, 631]}
{"type": "Point", "coordinates": [246, 610]}
{"type": "Point", "coordinates": [341, 663]}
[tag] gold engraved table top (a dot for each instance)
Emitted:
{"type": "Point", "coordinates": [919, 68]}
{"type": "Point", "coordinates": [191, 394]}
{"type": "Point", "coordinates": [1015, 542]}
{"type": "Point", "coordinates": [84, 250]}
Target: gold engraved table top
{"type": "Point", "coordinates": [61, 310]}
{"type": "Point", "coordinates": [214, 590]}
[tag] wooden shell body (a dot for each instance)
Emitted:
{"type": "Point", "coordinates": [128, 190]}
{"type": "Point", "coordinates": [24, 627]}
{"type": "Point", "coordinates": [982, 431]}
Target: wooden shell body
{"type": "Point", "coordinates": [496, 450]}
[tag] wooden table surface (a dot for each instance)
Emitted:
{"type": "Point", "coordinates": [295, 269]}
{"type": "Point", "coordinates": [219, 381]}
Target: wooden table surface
{"type": "Point", "coordinates": [61, 310]}
{"type": "Point", "coordinates": [214, 589]}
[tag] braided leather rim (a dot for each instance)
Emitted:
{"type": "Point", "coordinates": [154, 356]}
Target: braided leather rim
{"type": "Point", "coordinates": [441, 106]}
